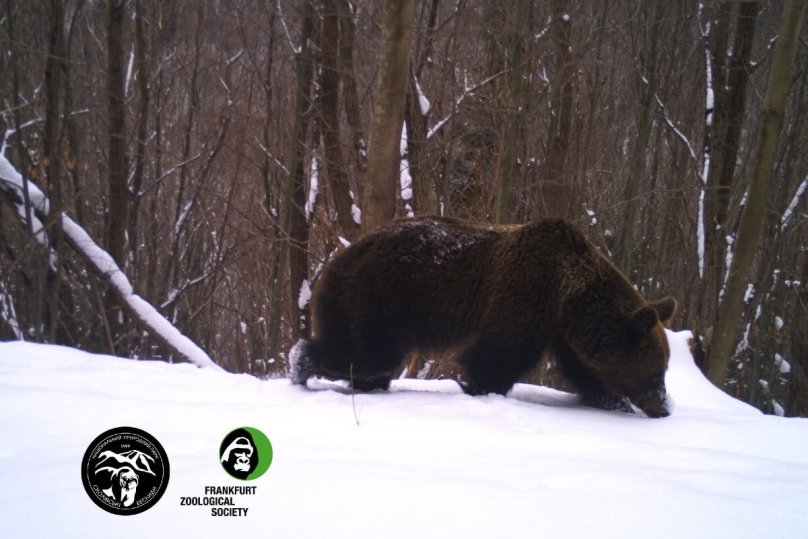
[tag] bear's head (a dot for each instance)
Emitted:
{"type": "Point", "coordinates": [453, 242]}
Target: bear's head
{"type": "Point", "coordinates": [638, 361]}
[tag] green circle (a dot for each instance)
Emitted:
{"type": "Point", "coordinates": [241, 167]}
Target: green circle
{"type": "Point", "coordinates": [263, 448]}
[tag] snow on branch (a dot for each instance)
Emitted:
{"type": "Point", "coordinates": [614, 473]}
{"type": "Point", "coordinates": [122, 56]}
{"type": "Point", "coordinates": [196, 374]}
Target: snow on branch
{"type": "Point", "coordinates": [295, 48]}
{"type": "Point", "coordinates": [468, 92]}
{"type": "Point", "coordinates": [103, 264]}
{"type": "Point", "coordinates": [676, 130]}
{"type": "Point", "coordinates": [793, 204]}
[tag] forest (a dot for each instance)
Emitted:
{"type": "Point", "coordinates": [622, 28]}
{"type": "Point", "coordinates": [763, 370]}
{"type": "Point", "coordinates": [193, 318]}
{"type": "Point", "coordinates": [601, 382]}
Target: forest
{"type": "Point", "coordinates": [221, 151]}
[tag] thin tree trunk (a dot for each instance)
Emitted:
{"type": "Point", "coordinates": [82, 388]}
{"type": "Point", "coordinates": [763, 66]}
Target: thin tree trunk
{"type": "Point", "coordinates": [724, 140]}
{"type": "Point", "coordinates": [760, 179]}
{"type": "Point", "coordinates": [270, 205]}
{"type": "Point", "coordinates": [514, 117]}
{"type": "Point", "coordinates": [118, 195]}
{"type": "Point", "coordinates": [797, 398]}
{"type": "Point", "coordinates": [350, 96]}
{"type": "Point", "coordinates": [384, 155]}
{"type": "Point", "coordinates": [425, 55]}
{"type": "Point", "coordinates": [181, 211]}
{"type": "Point", "coordinates": [553, 178]}
{"type": "Point", "coordinates": [332, 147]}
{"type": "Point", "coordinates": [118, 199]}
{"type": "Point", "coordinates": [626, 245]}
{"type": "Point", "coordinates": [142, 61]}
{"type": "Point", "coordinates": [425, 199]}
{"type": "Point", "coordinates": [294, 198]}
{"type": "Point", "coordinates": [36, 300]}
{"type": "Point", "coordinates": [53, 160]}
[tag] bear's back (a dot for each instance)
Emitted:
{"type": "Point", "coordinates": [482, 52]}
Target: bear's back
{"type": "Point", "coordinates": [423, 279]}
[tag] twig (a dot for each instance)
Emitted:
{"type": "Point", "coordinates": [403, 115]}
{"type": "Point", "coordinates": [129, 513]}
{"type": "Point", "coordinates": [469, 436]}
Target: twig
{"type": "Point", "coordinates": [353, 399]}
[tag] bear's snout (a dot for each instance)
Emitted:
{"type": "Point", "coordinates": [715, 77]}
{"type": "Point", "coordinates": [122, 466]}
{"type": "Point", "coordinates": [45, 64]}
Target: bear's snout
{"type": "Point", "coordinates": [654, 403]}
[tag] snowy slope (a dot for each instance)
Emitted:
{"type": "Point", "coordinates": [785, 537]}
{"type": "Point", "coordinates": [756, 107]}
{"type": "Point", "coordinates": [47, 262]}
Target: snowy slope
{"type": "Point", "coordinates": [425, 460]}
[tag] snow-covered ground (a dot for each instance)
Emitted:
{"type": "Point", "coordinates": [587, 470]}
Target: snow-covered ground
{"type": "Point", "coordinates": [424, 461]}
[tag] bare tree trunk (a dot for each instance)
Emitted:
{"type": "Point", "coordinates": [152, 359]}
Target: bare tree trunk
{"type": "Point", "coordinates": [118, 196]}
{"type": "Point", "coordinates": [384, 155]}
{"type": "Point", "coordinates": [558, 192]}
{"type": "Point", "coordinates": [332, 148]}
{"type": "Point", "coordinates": [142, 55]}
{"type": "Point", "coordinates": [724, 140]}
{"type": "Point", "coordinates": [53, 159]}
{"type": "Point", "coordinates": [797, 398]}
{"type": "Point", "coordinates": [117, 218]}
{"type": "Point", "coordinates": [35, 301]}
{"type": "Point", "coordinates": [429, 38]}
{"type": "Point", "coordinates": [760, 179]}
{"type": "Point", "coordinates": [275, 324]}
{"type": "Point", "coordinates": [183, 209]}
{"type": "Point", "coordinates": [350, 96]}
{"type": "Point", "coordinates": [72, 149]}
{"type": "Point", "coordinates": [626, 243]}
{"type": "Point", "coordinates": [514, 117]}
{"type": "Point", "coordinates": [295, 191]}
{"type": "Point", "coordinates": [425, 199]}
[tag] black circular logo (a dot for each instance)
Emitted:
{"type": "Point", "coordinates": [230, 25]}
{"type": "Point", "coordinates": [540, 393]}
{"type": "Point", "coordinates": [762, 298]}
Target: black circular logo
{"type": "Point", "coordinates": [125, 471]}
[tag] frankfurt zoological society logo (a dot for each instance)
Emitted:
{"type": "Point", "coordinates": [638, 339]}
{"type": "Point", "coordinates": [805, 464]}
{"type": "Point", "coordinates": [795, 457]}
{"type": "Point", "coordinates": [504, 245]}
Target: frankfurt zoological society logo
{"type": "Point", "coordinates": [125, 471]}
{"type": "Point", "coordinates": [246, 453]}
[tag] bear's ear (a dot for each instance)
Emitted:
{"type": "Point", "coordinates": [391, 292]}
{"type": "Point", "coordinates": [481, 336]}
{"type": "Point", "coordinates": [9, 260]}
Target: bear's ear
{"type": "Point", "coordinates": [643, 320]}
{"type": "Point", "coordinates": [664, 307]}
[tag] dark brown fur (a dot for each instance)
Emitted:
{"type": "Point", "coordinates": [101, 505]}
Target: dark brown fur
{"type": "Point", "coordinates": [506, 294]}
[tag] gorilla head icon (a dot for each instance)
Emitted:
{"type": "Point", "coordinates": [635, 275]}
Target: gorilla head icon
{"type": "Point", "coordinates": [238, 454]}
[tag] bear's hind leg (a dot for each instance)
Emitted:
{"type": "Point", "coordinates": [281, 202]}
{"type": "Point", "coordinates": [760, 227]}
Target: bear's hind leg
{"type": "Point", "coordinates": [493, 365]}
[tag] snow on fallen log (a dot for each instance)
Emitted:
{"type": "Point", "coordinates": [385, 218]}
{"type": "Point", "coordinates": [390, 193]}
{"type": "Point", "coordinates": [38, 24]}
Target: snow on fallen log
{"type": "Point", "coordinates": [103, 264]}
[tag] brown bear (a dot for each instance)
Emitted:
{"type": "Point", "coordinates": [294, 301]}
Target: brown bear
{"type": "Point", "coordinates": [503, 295]}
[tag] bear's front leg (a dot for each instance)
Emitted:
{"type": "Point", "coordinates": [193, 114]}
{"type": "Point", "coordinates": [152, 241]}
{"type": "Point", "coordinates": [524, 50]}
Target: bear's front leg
{"type": "Point", "coordinates": [587, 383]}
